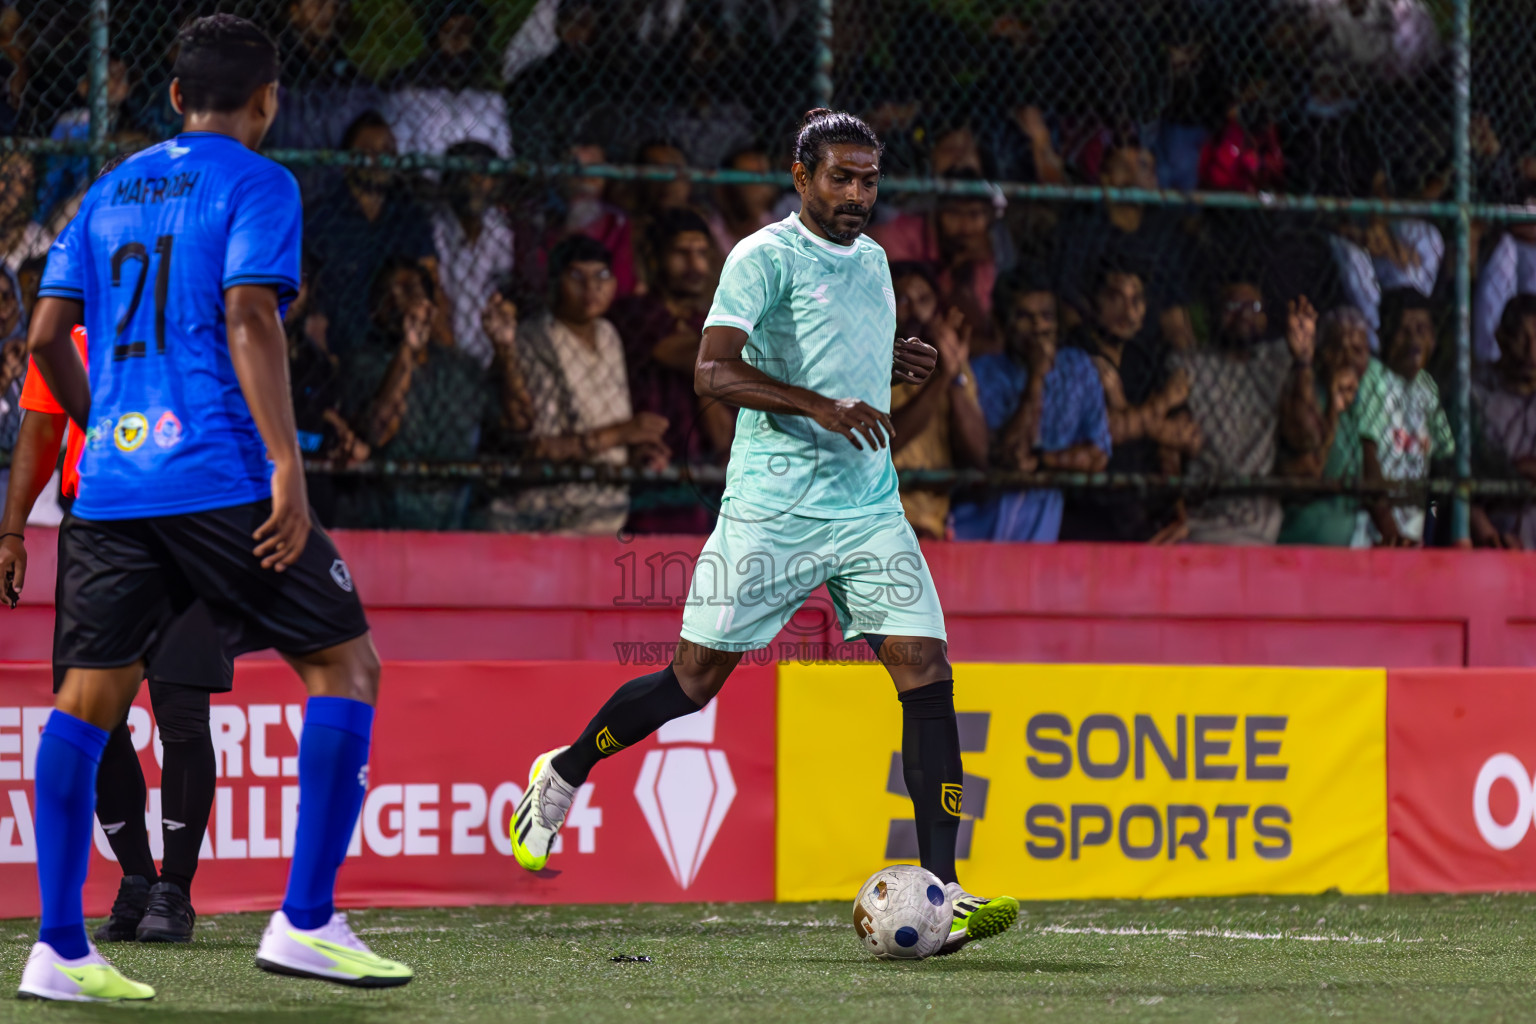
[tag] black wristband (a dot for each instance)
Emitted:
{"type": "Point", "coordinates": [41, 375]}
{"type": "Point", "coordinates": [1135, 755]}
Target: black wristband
{"type": "Point", "coordinates": [16, 535]}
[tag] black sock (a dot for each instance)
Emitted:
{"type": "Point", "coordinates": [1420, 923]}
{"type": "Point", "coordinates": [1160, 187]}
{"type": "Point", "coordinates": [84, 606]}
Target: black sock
{"type": "Point", "coordinates": [930, 758]}
{"type": "Point", "coordinates": [186, 795]}
{"type": "Point", "coordinates": [186, 779]}
{"type": "Point", "coordinates": [120, 795]}
{"type": "Point", "coordinates": [636, 709]}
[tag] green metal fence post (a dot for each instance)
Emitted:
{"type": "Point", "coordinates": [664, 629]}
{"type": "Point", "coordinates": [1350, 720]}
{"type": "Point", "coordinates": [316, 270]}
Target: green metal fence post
{"type": "Point", "coordinates": [100, 62]}
{"type": "Point", "coordinates": [823, 80]}
{"type": "Point", "coordinates": [1461, 508]}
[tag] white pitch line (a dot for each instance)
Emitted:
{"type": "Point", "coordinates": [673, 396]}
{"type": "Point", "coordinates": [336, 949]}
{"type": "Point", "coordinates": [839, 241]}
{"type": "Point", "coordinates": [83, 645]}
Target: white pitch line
{"type": "Point", "coordinates": [1215, 933]}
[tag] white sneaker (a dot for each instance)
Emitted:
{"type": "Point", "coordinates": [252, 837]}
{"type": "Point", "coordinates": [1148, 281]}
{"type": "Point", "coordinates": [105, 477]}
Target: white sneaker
{"type": "Point", "coordinates": [330, 953]}
{"type": "Point", "coordinates": [542, 811]}
{"type": "Point", "coordinates": [86, 979]}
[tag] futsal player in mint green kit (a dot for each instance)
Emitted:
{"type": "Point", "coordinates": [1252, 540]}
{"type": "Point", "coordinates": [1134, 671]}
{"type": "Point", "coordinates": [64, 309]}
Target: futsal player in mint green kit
{"type": "Point", "coordinates": [801, 339]}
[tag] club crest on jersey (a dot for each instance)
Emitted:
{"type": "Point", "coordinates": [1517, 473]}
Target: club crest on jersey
{"type": "Point", "coordinates": [96, 437]}
{"type": "Point", "coordinates": [167, 429]}
{"type": "Point", "coordinates": [131, 432]}
{"type": "Point", "coordinates": [342, 575]}
{"type": "Point", "coordinates": [949, 794]}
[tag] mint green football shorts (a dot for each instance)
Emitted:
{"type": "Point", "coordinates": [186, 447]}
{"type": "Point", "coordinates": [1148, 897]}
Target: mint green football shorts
{"type": "Point", "coordinates": [760, 566]}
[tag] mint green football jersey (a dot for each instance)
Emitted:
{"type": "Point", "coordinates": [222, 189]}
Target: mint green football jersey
{"type": "Point", "coordinates": [822, 317]}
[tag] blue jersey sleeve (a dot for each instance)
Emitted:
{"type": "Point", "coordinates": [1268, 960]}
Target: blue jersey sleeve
{"type": "Point", "coordinates": [266, 231]}
{"type": "Point", "coordinates": [64, 273]}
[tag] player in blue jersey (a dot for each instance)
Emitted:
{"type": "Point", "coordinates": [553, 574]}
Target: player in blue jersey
{"type": "Point", "coordinates": [800, 338]}
{"type": "Point", "coordinates": [180, 263]}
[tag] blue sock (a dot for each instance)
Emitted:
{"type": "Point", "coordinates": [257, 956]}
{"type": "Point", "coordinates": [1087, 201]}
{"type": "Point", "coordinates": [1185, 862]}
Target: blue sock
{"type": "Point", "coordinates": [333, 752]}
{"type": "Point", "coordinates": [67, 758]}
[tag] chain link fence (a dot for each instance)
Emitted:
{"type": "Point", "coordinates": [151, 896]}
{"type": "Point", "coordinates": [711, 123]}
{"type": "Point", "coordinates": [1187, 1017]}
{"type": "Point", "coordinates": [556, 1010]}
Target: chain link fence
{"type": "Point", "coordinates": [1271, 259]}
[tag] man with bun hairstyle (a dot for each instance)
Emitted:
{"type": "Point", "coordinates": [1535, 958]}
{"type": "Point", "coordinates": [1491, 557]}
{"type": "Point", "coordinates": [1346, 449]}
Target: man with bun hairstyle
{"type": "Point", "coordinates": [799, 338]}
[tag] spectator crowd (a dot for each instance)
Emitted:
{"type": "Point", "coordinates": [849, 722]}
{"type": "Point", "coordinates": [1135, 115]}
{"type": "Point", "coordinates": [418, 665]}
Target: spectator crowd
{"type": "Point", "coordinates": [455, 315]}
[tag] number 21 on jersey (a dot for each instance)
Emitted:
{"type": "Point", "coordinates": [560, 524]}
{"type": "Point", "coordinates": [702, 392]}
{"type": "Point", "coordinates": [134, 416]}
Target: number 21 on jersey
{"type": "Point", "coordinates": [136, 253]}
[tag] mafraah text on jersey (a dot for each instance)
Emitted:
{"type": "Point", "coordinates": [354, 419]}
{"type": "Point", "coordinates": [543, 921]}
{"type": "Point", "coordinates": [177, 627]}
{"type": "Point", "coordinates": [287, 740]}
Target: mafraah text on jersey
{"type": "Point", "coordinates": [154, 190]}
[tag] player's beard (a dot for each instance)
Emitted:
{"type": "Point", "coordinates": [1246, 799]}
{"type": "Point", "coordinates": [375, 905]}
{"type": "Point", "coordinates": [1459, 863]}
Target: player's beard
{"type": "Point", "coordinates": [826, 219]}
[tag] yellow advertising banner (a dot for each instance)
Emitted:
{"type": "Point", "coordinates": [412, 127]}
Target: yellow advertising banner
{"type": "Point", "coordinates": [1096, 781]}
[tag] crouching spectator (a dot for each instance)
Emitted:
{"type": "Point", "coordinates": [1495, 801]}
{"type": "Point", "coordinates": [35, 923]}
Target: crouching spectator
{"type": "Point", "coordinates": [1245, 391]}
{"type": "Point", "coordinates": [1505, 438]}
{"type": "Point", "coordinates": [1343, 359]}
{"type": "Point", "coordinates": [1402, 424]}
{"type": "Point", "coordinates": [1044, 408]}
{"type": "Point", "coordinates": [938, 423]}
{"type": "Point", "coordinates": [568, 365]}
{"type": "Point", "coordinates": [412, 399]}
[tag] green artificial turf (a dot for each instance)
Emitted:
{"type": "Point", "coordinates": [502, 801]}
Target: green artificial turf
{"type": "Point", "coordinates": [1437, 958]}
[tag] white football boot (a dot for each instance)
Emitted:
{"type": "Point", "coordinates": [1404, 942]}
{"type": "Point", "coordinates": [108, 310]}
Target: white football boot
{"type": "Point", "coordinates": [86, 979]}
{"type": "Point", "coordinates": [542, 811]}
{"type": "Point", "coordinates": [329, 953]}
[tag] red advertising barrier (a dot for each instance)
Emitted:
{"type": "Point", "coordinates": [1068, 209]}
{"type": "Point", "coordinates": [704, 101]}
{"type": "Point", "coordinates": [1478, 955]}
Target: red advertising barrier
{"type": "Point", "coordinates": [508, 596]}
{"type": "Point", "coordinates": [1461, 749]}
{"type": "Point", "coordinates": [686, 815]}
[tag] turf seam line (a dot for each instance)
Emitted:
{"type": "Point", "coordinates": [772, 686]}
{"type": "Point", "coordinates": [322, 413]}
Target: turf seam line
{"type": "Point", "coordinates": [1215, 933]}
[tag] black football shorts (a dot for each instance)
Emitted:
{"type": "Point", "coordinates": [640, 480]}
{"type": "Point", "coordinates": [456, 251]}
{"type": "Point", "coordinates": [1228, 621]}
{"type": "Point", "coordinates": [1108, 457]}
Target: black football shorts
{"type": "Point", "coordinates": [130, 589]}
{"type": "Point", "coordinates": [189, 652]}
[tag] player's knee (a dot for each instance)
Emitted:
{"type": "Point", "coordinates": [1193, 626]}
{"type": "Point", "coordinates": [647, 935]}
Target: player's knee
{"type": "Point", "coordinates": [349, 670]}
{"type": "Point", "coordinates": [99, 696]}
{"type": "Point", "coordinates": [702, 671]}
{"type": "Point", "coordinates": [181, 713]}
{"type": "Point", "coordinates": [364, 674]}
{"type": "Point", "coordinates": [915, 663]}
{"type": "Point", "coordinates": [701, 681]}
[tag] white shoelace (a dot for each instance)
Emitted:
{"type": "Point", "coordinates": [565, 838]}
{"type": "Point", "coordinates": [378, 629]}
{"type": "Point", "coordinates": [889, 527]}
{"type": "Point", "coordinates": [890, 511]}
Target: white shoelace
{"type": "Point", "coordinates": [338, 931]}
{"type": "Point", "coordinates": [963, 902]}
{"type": "Point", "coordinates": [554, 793]}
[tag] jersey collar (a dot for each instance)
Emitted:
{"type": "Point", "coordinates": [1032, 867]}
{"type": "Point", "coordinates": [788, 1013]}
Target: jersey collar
{"type": "Point", "coordinates": [832, 247]}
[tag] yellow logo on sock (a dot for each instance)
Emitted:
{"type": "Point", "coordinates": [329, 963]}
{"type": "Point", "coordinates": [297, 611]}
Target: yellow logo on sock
{"type": "Point", "coordinates": [949, 793]}
{"type": "Point", "coordinates": [606, 744]}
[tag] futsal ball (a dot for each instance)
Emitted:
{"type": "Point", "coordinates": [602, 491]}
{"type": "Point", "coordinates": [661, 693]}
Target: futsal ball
{"type": "Point", "coordinates": [902, 913]}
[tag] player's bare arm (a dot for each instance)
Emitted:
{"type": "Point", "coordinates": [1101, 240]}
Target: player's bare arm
{"type": "Point", "coordinates": [722, 374]}
{"type": "Point", "coordinates": [259, 351]}
{"type": "Point", "coordinates": [56, 357]}
{"type": "Point", "coordinates": [32, 460]}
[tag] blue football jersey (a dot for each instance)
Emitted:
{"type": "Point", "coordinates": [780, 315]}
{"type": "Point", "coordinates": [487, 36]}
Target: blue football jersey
{"type": "Point", "coordinates": [154, 246]}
